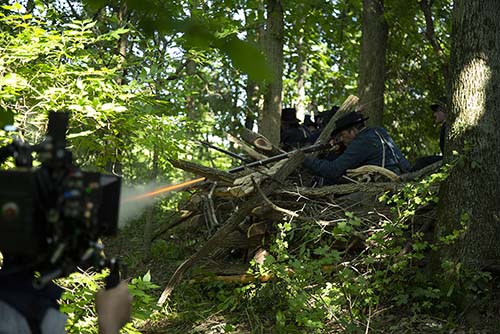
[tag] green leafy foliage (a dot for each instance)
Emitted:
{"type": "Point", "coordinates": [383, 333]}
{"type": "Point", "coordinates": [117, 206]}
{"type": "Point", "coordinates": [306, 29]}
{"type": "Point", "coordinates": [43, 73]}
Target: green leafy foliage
{"type": "Point", "coordinates": [316, 287]}
{"type": "Point", "coordinates": [77, 301]}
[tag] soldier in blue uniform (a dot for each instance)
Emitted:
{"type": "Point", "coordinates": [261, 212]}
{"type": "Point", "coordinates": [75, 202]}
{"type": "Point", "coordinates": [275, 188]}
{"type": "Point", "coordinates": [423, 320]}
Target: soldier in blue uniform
{"type": "Point", "coordinates": [439, 111]}
{"type": "Point", "coordinates": [364, 146]}
{"type": "Point", "coordinates": [293, 135]}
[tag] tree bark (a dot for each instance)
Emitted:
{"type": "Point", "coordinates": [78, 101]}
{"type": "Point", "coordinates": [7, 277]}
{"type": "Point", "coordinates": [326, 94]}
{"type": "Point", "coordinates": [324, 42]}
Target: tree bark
{"type": "Point", "coordinates": [190, 99]}
{"type": "Point", "coordinates": [372, 61]}
{"type": "Point", "coordinates": [270, 120]}
{"type": "Point", "coordinates": [470, 197]}
{"type": "Point", "coordinates": [301, 78]}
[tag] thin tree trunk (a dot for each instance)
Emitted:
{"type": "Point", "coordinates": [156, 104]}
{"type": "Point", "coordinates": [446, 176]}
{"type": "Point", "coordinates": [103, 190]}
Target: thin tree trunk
{"type": "Point", "coordinates": [190, 100]}
{"type": "Point", "coordinates": [372, 61]}
{"type": "Point", "coordinates": [148, 226]}
{"type": "Point", "coordinates": [114, 164]}
{"type": "Point", "coordinates": [270, 120]}
{"type": "Point", "coordinates": [301, 78]}
{"type": "Point", "coordinates": [430, 33]}
{"type": "Point", "coordinates": [470, 197]}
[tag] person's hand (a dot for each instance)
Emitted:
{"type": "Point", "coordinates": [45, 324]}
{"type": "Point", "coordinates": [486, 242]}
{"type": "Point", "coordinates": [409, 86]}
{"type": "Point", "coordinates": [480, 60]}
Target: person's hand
{"type": "Point", "coordinates": [114, 307]}
{"type": "Point", "coordinates": [337, 146]}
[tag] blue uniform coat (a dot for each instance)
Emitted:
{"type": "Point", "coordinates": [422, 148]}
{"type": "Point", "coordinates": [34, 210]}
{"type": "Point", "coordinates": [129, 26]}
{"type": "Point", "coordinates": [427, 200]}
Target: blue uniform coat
{"type": "Point", "coordinates": [365, 149]}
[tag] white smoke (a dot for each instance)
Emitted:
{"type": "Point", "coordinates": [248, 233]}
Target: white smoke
{"type": "Point", "coordinates": [131, 208]}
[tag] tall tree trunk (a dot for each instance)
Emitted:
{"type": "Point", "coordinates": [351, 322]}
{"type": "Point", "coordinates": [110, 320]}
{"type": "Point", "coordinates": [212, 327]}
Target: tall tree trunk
{"type": "Point", "coordinates": [253, 97]}
{"type": "Point", "coordinates": [372, 61]}
{"type": "Point", "coordinates": [471, 194]}
{"type": "Point", "coordinates": [270, 120]}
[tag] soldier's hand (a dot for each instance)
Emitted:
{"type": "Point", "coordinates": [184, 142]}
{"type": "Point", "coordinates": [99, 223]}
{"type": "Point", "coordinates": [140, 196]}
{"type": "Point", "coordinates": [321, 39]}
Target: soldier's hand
{"type": "Point", "coordinates": [114, 307]}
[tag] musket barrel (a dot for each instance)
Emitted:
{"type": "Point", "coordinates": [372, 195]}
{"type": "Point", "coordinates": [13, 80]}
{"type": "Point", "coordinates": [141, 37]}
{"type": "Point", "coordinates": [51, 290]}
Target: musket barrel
{"type": "Point", "coordinates": [231, 154]}
{"type": "Point", "coordinates": [278, 157]}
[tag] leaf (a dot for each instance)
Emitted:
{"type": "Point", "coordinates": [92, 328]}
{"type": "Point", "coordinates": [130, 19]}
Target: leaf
{"type": "Point", "coordinates": [147, 277]}
{"type": "Point", "coordinates": [15, 7]}
{"type": "Point", "coordinates": [89, 25]}
{"type": "Point", "coordinates": [73, 26]}
{"type": "Point", "coordinates": [6, 118]}
{"type": "Point", "coordinates": [246, 57]}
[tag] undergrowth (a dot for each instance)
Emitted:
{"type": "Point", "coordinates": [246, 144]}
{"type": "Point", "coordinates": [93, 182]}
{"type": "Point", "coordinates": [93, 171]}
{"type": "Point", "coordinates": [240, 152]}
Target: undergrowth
{"type": "Point", "coordinates": [352, 275]}
{"type": "Point", "coordinates": [77, 301]}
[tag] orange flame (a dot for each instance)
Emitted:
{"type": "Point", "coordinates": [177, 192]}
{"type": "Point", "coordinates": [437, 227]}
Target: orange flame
{"type": "Point", "coordinates": [165, 189]}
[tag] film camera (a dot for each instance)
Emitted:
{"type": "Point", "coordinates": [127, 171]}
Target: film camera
{"type": "Point", "coordinates": [52, 216]}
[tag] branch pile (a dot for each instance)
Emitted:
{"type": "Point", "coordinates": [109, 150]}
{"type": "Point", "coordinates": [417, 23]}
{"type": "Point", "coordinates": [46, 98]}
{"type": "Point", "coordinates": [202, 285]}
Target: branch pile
{"type": "Point", "coordinates": [239, 211]}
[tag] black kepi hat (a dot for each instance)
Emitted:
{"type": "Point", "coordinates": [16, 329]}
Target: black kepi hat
{"type": "Point", "coordinates": [308, 121]}
{"type": "Point", "coordinates": [347, 121]}
{"type": "Point", "coordinates": [289, 115]}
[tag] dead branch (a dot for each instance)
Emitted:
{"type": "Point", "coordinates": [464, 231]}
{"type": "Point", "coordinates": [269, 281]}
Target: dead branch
{"type": "Point", "coordinates": [349, 105]}
{"type": "Point", "coordinates": [207, 172]}
{"type": "Point", "coordinates": [342, 189]}
{"type": "Point", "coordinates": [230, 225]}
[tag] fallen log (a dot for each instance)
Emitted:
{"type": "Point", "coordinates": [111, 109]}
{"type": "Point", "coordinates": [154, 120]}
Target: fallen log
{"type": "Point", "coordinates": [372, 173]}
{"type": "Point", "coordinates": [422, 172]}
{"type": "Point", "coordinates": [245, 185]}
{"type": "Point", "coordinates": [341, 189]}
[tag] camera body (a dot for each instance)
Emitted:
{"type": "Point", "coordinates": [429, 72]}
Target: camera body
{"type": "Point", "coordinates": [52, 216]}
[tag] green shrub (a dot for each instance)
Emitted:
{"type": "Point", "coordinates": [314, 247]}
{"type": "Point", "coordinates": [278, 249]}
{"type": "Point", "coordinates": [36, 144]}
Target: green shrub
{"type": "Point", "coordinates": [77, 301]}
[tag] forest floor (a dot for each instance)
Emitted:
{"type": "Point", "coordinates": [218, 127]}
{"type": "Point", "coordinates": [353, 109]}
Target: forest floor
{"type": "Point", "coordinates": [164, 259]}
{"type": "Point", "coordinates": [195, 308]}
{"type": "Point", "coordinates": [197, 314]}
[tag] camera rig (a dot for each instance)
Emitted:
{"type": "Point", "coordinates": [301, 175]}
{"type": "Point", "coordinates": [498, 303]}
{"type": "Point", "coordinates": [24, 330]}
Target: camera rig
{"type": "Point", "coordinates": [52, 215]}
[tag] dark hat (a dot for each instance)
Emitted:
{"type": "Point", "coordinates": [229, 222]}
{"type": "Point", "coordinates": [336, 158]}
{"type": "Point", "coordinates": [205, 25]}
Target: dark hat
{"type": "Point", "coordinates": [289, 115]}
{"type": "Point", "coordinates": [347, 121]}
{"type": "Point", "coordinates": [439, 103]}
{"type": "Point", "coordinates": [308, 121]}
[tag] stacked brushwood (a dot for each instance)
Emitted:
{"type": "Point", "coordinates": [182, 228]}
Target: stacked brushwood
{"type": "Point", "coordinates": [237, 213]}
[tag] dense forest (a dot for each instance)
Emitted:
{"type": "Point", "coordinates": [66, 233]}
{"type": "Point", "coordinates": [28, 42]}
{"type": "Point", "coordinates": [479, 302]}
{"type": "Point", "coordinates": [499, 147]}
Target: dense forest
{"type": "Point", "coordinates": [151, 85]}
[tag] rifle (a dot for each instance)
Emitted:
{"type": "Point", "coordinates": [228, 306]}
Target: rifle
{"type": "Point", "coordinates": [231, 154]}
{"type": "Point", "coordinates": [263, 162]}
